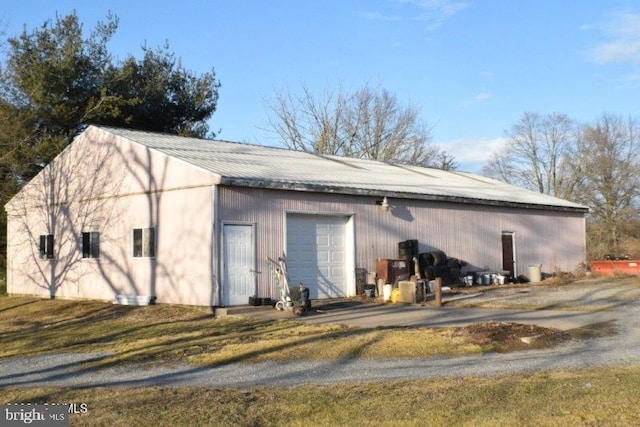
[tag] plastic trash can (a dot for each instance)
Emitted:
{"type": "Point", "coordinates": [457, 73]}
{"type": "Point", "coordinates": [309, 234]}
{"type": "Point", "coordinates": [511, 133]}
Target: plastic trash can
{"type": "Point", "coordinates": [535, 273]}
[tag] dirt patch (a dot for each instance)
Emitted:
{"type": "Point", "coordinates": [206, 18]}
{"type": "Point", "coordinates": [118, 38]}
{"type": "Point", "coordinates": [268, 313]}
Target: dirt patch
{"type": "Point", "coordinates": [506, 337]}
{"type": "Point", "coordinates": [596, 330]}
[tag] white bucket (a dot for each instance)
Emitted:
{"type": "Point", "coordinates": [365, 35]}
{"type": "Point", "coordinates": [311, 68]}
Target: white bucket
{"type": "Point", "coordinates": [468, 280]}
{"type": "Point", "coordinates": [386, 292]}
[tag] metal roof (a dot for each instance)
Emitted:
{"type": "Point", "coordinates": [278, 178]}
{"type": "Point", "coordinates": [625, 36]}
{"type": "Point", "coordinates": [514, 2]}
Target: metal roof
{"type": "Point", "coordinates": [268, 167]}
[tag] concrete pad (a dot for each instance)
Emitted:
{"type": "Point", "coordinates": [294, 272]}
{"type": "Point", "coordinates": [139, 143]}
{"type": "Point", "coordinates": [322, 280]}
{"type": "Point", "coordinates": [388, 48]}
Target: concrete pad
{"type": "Point", "coordinates": [397, 315]}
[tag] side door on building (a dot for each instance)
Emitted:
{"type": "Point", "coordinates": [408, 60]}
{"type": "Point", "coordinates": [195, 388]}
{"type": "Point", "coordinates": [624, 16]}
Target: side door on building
{"type": "Point", "coordinates": [509, 253]}
{"type": "Point", "coordinates": [238, 263]}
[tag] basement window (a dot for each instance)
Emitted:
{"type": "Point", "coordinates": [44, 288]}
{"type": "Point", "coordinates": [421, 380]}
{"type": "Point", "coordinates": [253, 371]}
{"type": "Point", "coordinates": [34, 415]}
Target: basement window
{"type": "Point", "coordinates": [46, 246]}
{"type": "Point", "coordinates": [144, 242]}
{"type": "Point", "coordinates": [91, 244]}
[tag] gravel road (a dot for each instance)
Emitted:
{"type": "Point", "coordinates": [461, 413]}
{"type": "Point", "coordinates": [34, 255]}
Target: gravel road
{"type": "Point", "coordinates": [620, 349]}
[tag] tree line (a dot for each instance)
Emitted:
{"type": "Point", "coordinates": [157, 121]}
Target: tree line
{"type": "Point", "coordinates": [596, 164]}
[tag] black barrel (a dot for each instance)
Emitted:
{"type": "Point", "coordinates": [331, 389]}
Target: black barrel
{"type": "Point", "coordinates": [425, 260]}
{"type": "Point", "coordinates": [404, 250]}
{"type": "Point", "coordinates": [414, 247]}
{"type": "Point", "coordinates": [439, 258]}
{"type": "Point", "coordinates": [429, 272]}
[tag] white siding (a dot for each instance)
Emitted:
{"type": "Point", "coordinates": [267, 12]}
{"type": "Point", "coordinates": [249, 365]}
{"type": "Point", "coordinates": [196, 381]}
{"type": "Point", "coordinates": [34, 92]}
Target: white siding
{"type": "Point", "coordinates": [110, 186]}
{"type": "Point", "coordinates": [468, 232]}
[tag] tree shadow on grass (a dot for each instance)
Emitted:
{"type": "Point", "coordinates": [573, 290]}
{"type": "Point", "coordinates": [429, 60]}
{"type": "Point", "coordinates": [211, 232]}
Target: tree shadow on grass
{"type": "Point", "coordinates": [18, 305]}
{"type": "Point", "coordinates": [174, 350]}
{"type": "Point", "coordinates": [68, 330]}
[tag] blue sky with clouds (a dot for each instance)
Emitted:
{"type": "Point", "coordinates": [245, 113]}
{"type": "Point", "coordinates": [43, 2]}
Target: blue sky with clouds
{"type": "Point", "coordinates": [472, 66]}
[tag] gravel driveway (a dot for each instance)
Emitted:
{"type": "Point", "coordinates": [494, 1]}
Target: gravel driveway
{"type": "Point", "coordinates": [621, 349]}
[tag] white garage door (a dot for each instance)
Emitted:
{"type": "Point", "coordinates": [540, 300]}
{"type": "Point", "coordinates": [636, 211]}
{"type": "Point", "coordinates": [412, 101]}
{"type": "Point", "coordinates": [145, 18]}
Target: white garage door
{"type": "Point", "coordinates": [316, 254]}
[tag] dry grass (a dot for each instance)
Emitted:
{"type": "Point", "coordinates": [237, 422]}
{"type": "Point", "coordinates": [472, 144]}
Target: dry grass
{"type": "Point", "coordinates": [164, 333]}
{"type": "Point", "coordinates": [167, 333]}
{"type": "Point", "coordinates": [337, 342]}
{"type": "Point", "coordinates": [576, 398]}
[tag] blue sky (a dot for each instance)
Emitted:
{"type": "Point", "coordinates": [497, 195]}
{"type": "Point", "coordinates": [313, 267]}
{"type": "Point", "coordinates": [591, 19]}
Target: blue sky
{"type": "Point", "coordinates": [473, 67]}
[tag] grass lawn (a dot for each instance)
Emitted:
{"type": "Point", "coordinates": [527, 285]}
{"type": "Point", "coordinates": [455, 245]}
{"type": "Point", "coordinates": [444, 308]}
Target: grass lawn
{"type": "Point", "coordinates": [586, 398]}
{"type": "Point", "coordinates": [167, 334]}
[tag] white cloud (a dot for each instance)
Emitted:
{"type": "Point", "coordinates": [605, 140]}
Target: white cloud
{"type": "Point", "coordinates": [633, 78]}
{"type": "Point", "coordinates": [479, 98]}
{"type": "Point", "coordinates": [375, 16]}
{"type": "Point", "coordinates": [623, 39]}
{"type": "Point", "coordinates": [435, 12]}
{"type": "Point", "coordinates": [472, 154]}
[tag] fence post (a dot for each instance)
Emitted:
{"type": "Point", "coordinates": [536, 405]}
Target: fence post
{"type": "Point", "coordinates": [438, 291]}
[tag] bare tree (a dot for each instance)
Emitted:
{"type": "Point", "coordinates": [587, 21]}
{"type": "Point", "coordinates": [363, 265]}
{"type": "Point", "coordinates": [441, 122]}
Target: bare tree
{"type": "Point", "coordinates": [306, 123]}
{"type": "Point", "coordinates": [367, 123]}
{"type": "Point", "coordinates": [607, 152]}
{"type": "Point", "coordinates": [538, 155]}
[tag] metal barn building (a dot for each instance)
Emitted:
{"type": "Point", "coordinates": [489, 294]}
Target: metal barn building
{"type": "Point", "coordinates": [191, 221]}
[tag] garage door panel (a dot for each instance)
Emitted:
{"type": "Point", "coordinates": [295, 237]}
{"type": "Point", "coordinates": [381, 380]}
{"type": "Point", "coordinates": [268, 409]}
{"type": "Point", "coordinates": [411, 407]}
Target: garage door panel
{"type": "Point", "coordinates": [316, 254]}
{"type": "Point", "coordinates": [323, 257]}
{"type": "Point", "coordinates": [337, 256]}
{"type": "Point", "coordinates": [322, 241]}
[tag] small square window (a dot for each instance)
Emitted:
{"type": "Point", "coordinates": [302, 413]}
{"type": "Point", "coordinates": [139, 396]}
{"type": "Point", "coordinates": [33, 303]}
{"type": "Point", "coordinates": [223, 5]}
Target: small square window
{"type": "Point", "coordinates": [91, 244]}
{"type": "Point", "coordinates": [144, 242]}
{"type": "Point", "coordinates": [46, 246]}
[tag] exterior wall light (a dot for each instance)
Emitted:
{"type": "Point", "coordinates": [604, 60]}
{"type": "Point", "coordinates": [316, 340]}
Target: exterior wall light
{"type": "Point", "coordinates": [384, 204]}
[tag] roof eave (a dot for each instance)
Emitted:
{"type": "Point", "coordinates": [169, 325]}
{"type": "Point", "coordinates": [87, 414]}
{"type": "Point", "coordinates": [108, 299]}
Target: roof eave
{"type": "Point", "coordinates": [323, 188]}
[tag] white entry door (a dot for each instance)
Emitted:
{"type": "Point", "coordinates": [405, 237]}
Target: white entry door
{"type": "Point", "coordinates": [238, 264]}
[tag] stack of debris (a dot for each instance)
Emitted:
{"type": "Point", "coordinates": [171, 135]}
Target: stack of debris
{"type": "Point", "coordinates": [411, 265]}
{"type": "Point", "coordinates": [430, 265]}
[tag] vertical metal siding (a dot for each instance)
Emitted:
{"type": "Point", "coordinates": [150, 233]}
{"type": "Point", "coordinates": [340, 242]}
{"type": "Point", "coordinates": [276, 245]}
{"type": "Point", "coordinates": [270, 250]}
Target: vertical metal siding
{"type": "Point", "coordinates": [468, 232]}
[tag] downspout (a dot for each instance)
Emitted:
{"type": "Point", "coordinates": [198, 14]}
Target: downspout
{"type": "Point", "coordinates": [216, 297]}
{"type": "Point", "coordinates": [515, 256]}
{"type": "Point", "coordinates": [584, 234]}
{"type": "Point", "coordinates": [9, 259]}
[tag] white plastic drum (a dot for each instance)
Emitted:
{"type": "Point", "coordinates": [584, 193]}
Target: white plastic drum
{"type": "Point", "coordinates": [386, 292]}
